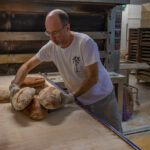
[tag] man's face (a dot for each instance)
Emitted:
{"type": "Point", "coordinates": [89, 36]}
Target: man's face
{"type": "Point", "coordinates": [55, 30]}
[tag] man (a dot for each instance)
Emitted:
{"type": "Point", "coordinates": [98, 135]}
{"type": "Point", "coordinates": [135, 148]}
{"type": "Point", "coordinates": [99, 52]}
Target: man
{"type": "Point", "coordinates": [77, 59]}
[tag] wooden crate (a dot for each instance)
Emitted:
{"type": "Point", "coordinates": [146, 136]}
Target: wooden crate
{"type": "Point", "coordinates": [139, 50]}
{"type": "Point", "coordinates": [144, 54]}
{"type": "Point", "coordinates": [133, 46]}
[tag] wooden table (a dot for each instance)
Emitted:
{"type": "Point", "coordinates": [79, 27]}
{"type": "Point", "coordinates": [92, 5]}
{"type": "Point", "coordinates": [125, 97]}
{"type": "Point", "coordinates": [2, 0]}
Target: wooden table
{"type": "Point", "coordinates": [69, 128]}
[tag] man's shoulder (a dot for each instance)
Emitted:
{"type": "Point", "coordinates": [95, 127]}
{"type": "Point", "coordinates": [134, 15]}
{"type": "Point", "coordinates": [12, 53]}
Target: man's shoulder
{"type": "Point", "coordinates": [48, 45]}
{"type": "Point", "coordinates": [82, 37]}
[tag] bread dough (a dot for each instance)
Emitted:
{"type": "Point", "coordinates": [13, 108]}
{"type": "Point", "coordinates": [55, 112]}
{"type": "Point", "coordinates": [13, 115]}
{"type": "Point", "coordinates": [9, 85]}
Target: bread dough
{"type": "Point", "coordinates": [50, 98]}
{"type": "Point", "coordinates": [23, 98]}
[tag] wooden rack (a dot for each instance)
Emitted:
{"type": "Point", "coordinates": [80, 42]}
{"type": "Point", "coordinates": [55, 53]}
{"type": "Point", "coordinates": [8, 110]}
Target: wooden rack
{"type": "Point", "coordinates": [139, 50]}
{"type": "Point", "coordinates": [144, 54]}
{"type": "Point", "coordinates": [133, 46]}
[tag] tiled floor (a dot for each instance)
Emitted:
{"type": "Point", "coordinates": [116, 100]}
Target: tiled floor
{"type": "Point", "coordinates": [142, 140]}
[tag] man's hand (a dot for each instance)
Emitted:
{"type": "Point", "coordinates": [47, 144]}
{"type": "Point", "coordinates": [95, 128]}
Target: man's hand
{"type": "Point", "coordinates": [13, 88]}
{"type": "Point", "coordinates": [67, 98]}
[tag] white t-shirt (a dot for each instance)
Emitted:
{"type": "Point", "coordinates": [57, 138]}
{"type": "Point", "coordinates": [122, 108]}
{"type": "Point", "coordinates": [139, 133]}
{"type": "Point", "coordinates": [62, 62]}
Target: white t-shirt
{"type": "Point", "coordinates": [71, 63]}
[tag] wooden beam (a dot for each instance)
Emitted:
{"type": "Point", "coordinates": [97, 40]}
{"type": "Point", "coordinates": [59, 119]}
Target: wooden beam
{"type": "Point", "coordinates": [108, 2]}
{"type": "Point", "coordinates": [97, 35]}
{"type": "Point", "coordinates": [134, 65]}
{"type": "Point", "coordinates": [21, 58]}
{"type": "Point", "coordinates": [15, 58]}
{"type": "Point", "coordinates": [23, 6]}
{"type": "Point", "coordinates": [29, 36]}
{"type": "Point", "coordinates": [44, 7]}
{"type": "Point", "coordinates": [23, 36]}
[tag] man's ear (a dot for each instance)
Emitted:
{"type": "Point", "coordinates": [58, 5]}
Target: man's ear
{"type": "Point", "coordinates": [68, 27]}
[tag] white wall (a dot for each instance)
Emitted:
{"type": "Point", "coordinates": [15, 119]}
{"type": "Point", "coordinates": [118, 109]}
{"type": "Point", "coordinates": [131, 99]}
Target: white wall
{"type": "Point", "coordinates": [131, 18]}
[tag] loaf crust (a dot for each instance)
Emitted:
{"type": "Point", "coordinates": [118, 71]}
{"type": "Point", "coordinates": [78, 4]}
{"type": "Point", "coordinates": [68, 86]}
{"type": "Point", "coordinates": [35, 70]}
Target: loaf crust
{"type": "Point", "coordinates": [33, 82]}
{"type": "Point", "coordinates": [50, 98]}
{"type": "Point", "coordinates": [35, 111]}
{"type": "Point", "coordinates": [4, 95]}
{"type": "Point", "coordinates": [23, 98]}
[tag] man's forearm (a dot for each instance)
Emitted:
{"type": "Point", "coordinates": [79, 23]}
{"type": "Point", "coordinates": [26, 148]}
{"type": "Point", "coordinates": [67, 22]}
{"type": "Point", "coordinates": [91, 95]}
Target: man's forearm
{"type": "Point", "coordinates": [86, 85]}
{"type": "Point", "coordinates": [24, 70]}
{"type": "Point", "coordinates": [21, 74]}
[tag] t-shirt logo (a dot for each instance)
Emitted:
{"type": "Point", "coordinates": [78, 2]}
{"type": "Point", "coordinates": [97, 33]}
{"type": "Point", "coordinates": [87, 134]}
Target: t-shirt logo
{"type": "Point", "coordinates": [76, 61]}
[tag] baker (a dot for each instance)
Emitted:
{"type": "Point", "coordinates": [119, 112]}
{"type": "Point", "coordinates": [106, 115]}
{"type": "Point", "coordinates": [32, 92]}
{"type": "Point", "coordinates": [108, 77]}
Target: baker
{"type": "Point", "coordinates": [77, 58]}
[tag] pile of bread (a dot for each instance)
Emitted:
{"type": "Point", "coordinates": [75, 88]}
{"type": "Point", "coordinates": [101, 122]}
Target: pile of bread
{"type": "Point", "coordinates": [34, 98]}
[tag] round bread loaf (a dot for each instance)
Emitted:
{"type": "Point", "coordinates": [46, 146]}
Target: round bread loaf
{"type": "Point", "coordinates": [4, 95]}
{"type": "Point", "coordinates": [34, 110]}
{"type": "Point", "coordinates": [50, 98]}
{"type": "Point", "coordinates": [23, 98]}
{"type": "Point", "coordinates": [33, 82]}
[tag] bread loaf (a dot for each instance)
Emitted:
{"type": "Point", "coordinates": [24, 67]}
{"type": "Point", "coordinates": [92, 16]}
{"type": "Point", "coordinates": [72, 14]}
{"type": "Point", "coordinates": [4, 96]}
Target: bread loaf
{"type": "Point", "coordinates": [23, 98]}
{"type": "Point", "coordinates": [34, 110]}
{"type": "Point", "coordinates": [33, 82]}
{"type": "Point", "coordinates": [50, 98]}
{"type": "Point", "coordinates": [4, 95]}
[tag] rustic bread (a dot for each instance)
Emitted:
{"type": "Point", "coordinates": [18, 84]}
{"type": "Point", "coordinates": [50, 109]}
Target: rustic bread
{"type": "Point", "coordinates": [50, 98]}
{"type": "Point", "coordinates": [33, 82]}
{"type": "Point", "coordinates": [4, 95]}
{"type": "Point", "coordinates": [23, 98]}
{"type": "Point", "coordinates": [34, 110]}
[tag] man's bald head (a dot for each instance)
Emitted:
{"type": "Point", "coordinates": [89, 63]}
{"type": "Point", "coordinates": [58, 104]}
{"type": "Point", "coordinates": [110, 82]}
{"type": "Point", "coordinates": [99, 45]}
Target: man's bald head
{"type": "Point", "coordinates": [62, 15]}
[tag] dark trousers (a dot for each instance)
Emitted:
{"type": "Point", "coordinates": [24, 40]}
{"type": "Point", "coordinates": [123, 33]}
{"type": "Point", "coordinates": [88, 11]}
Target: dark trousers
{"type": "Point", "coordinates": [108, 110]}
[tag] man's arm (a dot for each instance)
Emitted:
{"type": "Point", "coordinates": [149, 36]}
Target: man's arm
{"type": "Point", "coordinates": [92, 78]}
{"type": "Point", "coordinates": [24, 70]}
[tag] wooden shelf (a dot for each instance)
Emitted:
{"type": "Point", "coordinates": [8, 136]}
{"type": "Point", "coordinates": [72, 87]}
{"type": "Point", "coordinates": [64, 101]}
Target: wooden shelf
{"type": "Point", "coordinates": [16, 58]}
{"type": "Point", "coordinates": [29, 36]}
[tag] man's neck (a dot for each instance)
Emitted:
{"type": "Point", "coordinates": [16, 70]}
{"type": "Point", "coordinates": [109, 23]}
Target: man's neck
{"type": "Point", "coordinates": [68, 40]}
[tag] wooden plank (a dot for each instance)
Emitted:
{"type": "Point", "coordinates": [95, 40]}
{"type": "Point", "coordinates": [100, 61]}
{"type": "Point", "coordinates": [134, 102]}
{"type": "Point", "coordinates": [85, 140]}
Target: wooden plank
{"type": "Point", "coordinates": [29, 36]}
{"type": "Point", "coordinates": [145, 31]}
{"type": "Point", "coordinates": [134, 65]}
{"type": "Point", "coordinates": [21, 58]}
{"type": "Point", "coordinates": [34, 22]}
{"type": "Point", "coordinates": [23, 7]}
{"type": "Point", "coordinates": [143, 77]}
{"type": "Point", "coordinates": [146, 35]}
{"type": "Point", "coordinates": [17, 58]}
{"type": "Point", "coordinates": [20, 47]}
{"type": "Point", "coordinates": [145, 44]}
{"type": "Point", "coordinates": [22, 36]}
{"type": "Point", "coordinates": [41, 6]}
{"type": "Point", "coordinates": [77, 1]}
{"type": "Point", "coordinates": [134, 41]}
{"type": "Point", "coordinates": [145, 59]}
{"type": "Point", "coordinates": [145, 55]}
{"type": "Point", "coordinates": [145, 51]}
{"type": "Point", "coordinates": [144, 73]}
